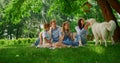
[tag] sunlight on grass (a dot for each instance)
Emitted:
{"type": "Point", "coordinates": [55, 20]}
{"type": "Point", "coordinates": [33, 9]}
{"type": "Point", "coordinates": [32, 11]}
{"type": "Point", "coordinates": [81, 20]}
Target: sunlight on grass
{"type": "Point", "coordinates": [98, 49]}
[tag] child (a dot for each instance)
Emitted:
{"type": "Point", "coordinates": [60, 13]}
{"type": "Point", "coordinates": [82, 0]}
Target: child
{"type": "Point", "coordinates": [67, 38]}
{"type": "Point", "coordinates": [46, 36]}
{"type": "Point", "coordinates": [55, 31]}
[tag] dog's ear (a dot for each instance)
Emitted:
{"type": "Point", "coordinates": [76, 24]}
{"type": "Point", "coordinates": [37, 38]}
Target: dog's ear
{"type": "Point", "coordinates": [91, 21]}
{"type": "Point", "coordinates": [88, 21]}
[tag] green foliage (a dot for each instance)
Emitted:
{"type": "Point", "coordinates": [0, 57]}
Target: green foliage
{"type": "Point", "coordinates": [19, 9]}
{"type": "Point", "coordinates": [67, 7]}
{"type": "Point", "coordinates": [73, 24]}
{"type": "Point", "coordinates": [20, 41]}
{"type": "Point", "coordinates": [22, 18]}
{"type": "Point", "coordinates": [14, 16]}
{"type": "Point", "coordinates": [2, 42]}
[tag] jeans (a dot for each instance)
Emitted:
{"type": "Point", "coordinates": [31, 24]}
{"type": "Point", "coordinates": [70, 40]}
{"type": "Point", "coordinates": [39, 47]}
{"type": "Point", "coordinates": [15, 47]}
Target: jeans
{"type": "Point", "coordinates": [37, 42]}
{"type": "Point", "coordinates": [81, 38]}
{"type": "Point", "coordinates": [70, 42]}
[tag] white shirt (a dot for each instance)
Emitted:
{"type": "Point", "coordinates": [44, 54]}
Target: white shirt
{"type": "Point", "coordinates": [46, 35]}
{"type": "Point", "coordinates": [81, 31]}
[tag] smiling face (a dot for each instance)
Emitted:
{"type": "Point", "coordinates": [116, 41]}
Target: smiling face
{"type": "Point", "coordinates": [46, 26]}
{"type": "Point", "coordinates": [53, 24]}
{"type": "Point", "coordinates": [82, 22]}
{"type": "Point", "coordinates": [66, 26]}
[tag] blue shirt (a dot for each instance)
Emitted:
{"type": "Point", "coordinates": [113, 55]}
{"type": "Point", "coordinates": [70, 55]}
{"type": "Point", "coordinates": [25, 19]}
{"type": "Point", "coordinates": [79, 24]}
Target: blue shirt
{"type": "Point", "coordinates": [55, 34]}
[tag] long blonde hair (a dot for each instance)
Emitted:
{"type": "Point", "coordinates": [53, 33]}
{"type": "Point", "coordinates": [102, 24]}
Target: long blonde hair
{"type": "Point", "coordinates": [65, 30]}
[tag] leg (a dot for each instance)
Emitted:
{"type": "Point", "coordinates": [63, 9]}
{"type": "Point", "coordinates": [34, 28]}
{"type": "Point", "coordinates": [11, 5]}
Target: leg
{"type": "Point", "coordinates": [36, 42]}
{"type": "Point", "coordinates": [40, 41]}
{"type": "Point", "coordinates": [96, 38]}
{"type": "Point", "coordinates": [113, 42]}
{"type": "Point", "coordinates": [78, 39]}
{"type": "Point", "coordinates": [75, 43]}
{"type": "Point", "coordinates": [47, 45]}
{"type": "Point", "coordinates": [105, 42]}
{"type": "Point", "coordinates": [104, 37]}
{"type": "Point", "coordinates": [59, 45]}
{"type": "Point", "coordinates": [111, 38]}
{"type": "Point", "coordinates": [101, 40]}
{"type": "Point", "coordinates": [80, 43]}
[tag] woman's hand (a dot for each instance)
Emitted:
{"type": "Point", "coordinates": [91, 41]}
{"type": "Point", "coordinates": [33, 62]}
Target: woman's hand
{"type": "Point", "coordinates": [86, 25]}
{"type": "Point", "coordinates": [49, 42]}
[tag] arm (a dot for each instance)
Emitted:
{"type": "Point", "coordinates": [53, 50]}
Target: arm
{"type": "Point", "coordinates": [47, 41]}
{"type": "Point", "coordinates": [41, 38]}
{"type": "Point", "coordinates": [86, 26]}
{"type": "Point", "coordinates": [60, 32]}
{"type": "Point", "coordinates": [44, 37]}
{"type": "Point", "coordinates": [61, 38]}
{"type": "Point", "coordinates": [79, 32]}
{"type": "Point", "coordinates": [72, 36]}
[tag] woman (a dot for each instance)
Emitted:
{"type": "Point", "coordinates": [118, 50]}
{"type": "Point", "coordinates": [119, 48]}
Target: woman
{"type": "Point", "coordinates": [82, 31]}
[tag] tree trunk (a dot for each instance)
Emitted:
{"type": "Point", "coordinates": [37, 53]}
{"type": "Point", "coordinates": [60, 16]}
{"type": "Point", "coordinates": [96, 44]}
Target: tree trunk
{"type": "Point", "coordinates": [17, 33]}
{"type": "Point", "coordinates": [115, 5]}
{"type": "Point", "coordinates": [108, 15]}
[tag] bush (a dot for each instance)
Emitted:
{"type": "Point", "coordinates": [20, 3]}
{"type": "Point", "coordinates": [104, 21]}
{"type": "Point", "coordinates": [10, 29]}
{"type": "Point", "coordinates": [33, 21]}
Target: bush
{"type": "Point", "coordinates": [20, 41]}
{"type": "Point", "coordinates": [2, 42]}
{"type": "Point", "coordinates": [15, 42]}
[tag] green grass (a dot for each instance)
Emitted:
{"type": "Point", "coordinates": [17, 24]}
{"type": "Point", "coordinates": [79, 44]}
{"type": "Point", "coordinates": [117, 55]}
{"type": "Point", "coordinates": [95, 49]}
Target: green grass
{"type": "Point", "coordinates": [87, 54]}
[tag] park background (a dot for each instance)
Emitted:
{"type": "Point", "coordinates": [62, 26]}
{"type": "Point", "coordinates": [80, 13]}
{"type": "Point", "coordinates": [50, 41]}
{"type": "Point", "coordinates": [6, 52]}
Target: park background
{"type": "Point", "coordinates": [22, 20]}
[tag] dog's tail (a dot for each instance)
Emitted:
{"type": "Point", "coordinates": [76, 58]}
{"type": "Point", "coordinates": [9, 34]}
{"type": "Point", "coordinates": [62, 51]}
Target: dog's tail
{"type": "Point", "coordinates": [111, 25]}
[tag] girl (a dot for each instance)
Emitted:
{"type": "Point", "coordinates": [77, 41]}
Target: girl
{"type": "Point", "coordinates": [67, 38]}
{"type": "Point", "coordinates": [46, 36]}
{"type": "Point", "coordinates": [82, 31]}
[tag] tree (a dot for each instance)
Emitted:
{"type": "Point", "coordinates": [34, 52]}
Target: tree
{"type": "Point", "coordinates": [108, 14]}
{"type": "Point", "coordinates": [14, 13]}
{"type": "Point", "coordinates": [115, 5]}
{"type": "Point", "coordinates": [22, 17]}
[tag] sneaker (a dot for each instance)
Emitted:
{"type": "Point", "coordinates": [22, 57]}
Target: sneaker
{"type": "Point", "coordinates": [52, 48]}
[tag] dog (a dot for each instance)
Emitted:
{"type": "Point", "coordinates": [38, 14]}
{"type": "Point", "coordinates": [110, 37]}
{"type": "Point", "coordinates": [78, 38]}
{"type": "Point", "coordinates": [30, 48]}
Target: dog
{"type": "Point", "coordinates": [102, 30]}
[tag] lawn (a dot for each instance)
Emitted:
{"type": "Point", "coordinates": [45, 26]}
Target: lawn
{"type": "Point", "coordinates": [87, 54]}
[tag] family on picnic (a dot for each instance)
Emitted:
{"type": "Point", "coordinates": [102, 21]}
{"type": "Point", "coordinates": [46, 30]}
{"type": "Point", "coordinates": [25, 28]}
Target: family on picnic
{"type": "Point", "coordinates": [57, 37]}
